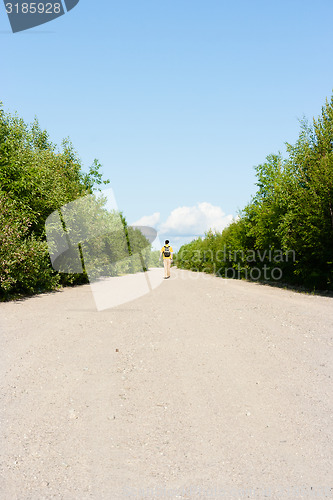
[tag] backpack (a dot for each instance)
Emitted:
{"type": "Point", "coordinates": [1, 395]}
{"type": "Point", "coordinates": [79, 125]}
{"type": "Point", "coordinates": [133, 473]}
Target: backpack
{"type": "Point", "coordinates": [167, 252]}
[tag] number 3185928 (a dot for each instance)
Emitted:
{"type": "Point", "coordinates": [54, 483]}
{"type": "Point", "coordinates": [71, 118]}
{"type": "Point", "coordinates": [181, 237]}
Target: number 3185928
{"type": "Point", "coordinates": [33, 8]}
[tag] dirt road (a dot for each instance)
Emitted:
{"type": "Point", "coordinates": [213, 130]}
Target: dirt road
{"type": "Point", "coordinates": [204, 388]}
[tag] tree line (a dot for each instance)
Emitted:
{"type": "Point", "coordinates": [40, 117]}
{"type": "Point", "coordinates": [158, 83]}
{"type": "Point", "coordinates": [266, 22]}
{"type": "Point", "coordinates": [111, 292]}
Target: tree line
{"type": "Point", "coordinates": [38, 178]}
{"type": "Point", "coordinates": [285, 233]}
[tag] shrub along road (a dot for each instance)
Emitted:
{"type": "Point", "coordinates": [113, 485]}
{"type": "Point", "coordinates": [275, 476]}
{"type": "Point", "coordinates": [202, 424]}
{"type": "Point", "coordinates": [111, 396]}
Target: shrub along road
{"type": "Point", "coordinates": [204, 388]}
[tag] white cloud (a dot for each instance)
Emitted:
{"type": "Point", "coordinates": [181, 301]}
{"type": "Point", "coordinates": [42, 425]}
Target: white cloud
{"type": "Point", "coordinates": [178, 241]}
{"type": "Point", "coordinates": [148, 220]}
{"type": "Point", "coordinates": [184, 224]}
{"type": "Point", "coordinates": [195, 221]}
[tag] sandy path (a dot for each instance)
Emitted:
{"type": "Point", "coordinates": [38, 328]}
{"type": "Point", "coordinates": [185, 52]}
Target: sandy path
{"type": "Point", "coordinates": [204, 388]}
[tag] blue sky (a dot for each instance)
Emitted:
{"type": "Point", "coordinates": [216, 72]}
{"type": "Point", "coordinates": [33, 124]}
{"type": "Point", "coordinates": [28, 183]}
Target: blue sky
{"type": "Point", "coordinates": [178, 99]}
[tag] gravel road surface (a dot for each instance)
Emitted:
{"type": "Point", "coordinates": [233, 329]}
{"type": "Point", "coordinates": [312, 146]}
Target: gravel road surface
{"type": "Point", "coordinates": [203, 388]}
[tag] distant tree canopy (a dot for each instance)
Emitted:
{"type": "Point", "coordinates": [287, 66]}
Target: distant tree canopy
{"type": "Point", "coordinates": [36, 179]}
{"type": "Point", "coordinates": [286, 231]}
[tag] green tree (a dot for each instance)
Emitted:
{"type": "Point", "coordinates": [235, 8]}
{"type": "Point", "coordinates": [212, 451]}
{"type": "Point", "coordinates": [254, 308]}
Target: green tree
{"type": "Point", "coordinates": [36, 179]}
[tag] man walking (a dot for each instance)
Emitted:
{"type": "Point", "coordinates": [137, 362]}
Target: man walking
{"type": "Point", "coordinates": [167, 252]}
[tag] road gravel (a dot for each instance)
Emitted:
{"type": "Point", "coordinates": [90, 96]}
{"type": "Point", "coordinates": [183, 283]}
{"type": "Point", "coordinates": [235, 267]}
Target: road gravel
{"type": "Point", "coordinates": [203, 388]}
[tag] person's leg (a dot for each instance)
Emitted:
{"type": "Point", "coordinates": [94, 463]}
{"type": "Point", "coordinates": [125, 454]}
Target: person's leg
{"type": "Point", "coordinates": [168, 267]}
{"type": "Point", "coordinates": [165, 262]}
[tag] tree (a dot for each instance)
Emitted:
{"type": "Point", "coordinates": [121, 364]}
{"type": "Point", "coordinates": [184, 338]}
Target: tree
{"type": "Point", "coordinates": [36, 179]}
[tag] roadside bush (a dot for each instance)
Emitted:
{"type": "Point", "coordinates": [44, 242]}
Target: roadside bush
{"type": "Point", "coordinates": [286, 231]}
{"type": "Point", "coordinates": [24, 261]}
